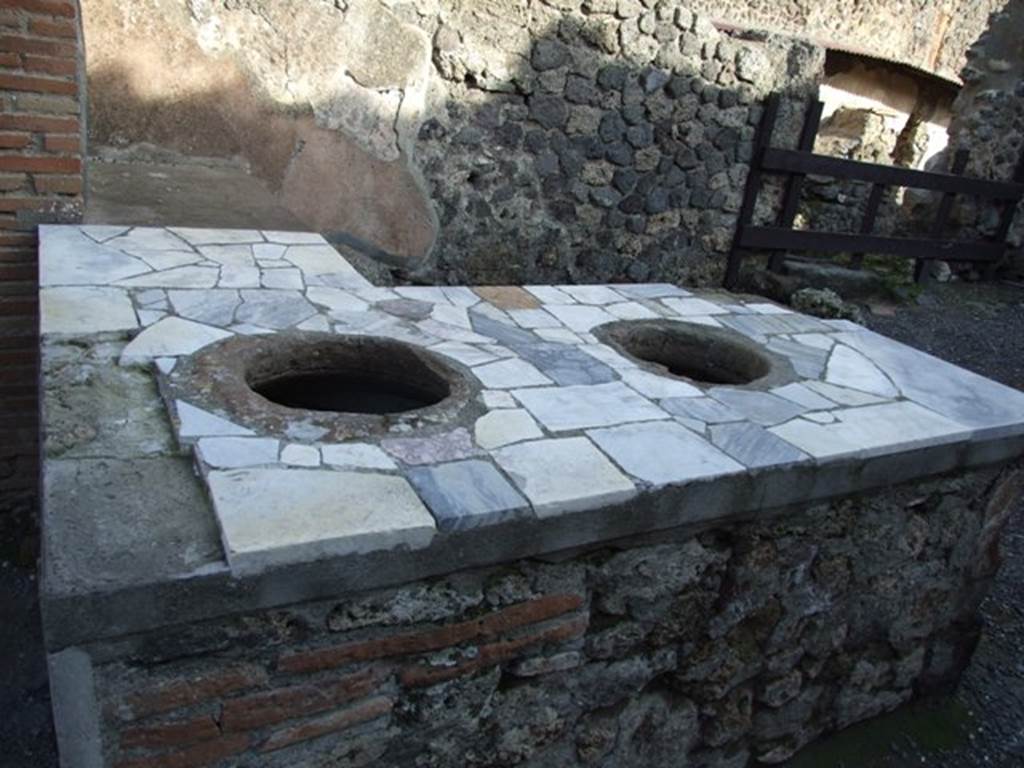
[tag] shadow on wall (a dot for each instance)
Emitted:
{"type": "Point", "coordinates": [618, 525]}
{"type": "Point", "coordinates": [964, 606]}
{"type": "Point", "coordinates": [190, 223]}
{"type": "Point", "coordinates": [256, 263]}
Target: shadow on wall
{"type": "Point", "coordinates": [596, 146]}
{"type": "Point", "coordinates": [320, 175]}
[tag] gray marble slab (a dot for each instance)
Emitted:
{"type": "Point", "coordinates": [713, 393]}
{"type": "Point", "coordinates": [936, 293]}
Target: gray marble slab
{"type": "Point", "coordinates": [700, 409]}
{"type": "Point", "coordinates": [274, 309]}
{"type": "Point", "coordinates": [467, 494]}
{"type": "Point", "coordinates": [759, 407]}
{"type": "Point", "coordinates": [754, 446]}
{"type": "Point", "coordinates": [567, 408]}
{"type": "Point", "coordinates": [663, 453]}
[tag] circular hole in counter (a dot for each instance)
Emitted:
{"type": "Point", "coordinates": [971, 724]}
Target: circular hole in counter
{"type": "Point", "coordinates": [361, 375]}
{"type": "Point", "coordinates": [699, 353]}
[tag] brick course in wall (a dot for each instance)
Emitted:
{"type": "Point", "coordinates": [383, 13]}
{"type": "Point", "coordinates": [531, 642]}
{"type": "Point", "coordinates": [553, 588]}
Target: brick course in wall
{"type": "Point", "coordinates": [41, 150]}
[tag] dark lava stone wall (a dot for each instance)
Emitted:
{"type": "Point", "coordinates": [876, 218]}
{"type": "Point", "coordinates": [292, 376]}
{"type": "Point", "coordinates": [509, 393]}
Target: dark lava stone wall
{"type": "Point", "coordinates": [595, 140]}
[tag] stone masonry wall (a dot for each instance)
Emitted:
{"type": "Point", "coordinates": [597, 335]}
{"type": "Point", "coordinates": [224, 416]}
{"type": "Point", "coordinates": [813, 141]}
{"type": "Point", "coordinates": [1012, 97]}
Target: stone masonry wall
{"type": "Point", "coordinates": [708, 649]}
{"type": "Point", "coordinates": [41, 146]}
{"type": "Point", "coordinates": [594, 140]}
{"type": "Point", "coordinates": [928, 34]}
{"type": "Point", "coordinates": [988, 116]}
{"type": "Point", "coordinates": [492, 141]}
{"type": "Point", "coordinates": [480, 141]}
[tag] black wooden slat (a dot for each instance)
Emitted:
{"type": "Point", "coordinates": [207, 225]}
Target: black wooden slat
{"type": "Point", "coordinates": [795, 183]}
{"type": "Point", "coordinates": [1010, 207]}
{"type": "Point", "coordinates": [867, 224]}
{"type": "Point", "coordinates": [795, 161]}
{"type": "Point", "coordinates": [776, 238]}
{"type": "Point", "coordinates": [762, 142]}
{"type": "Point", "coordinates": [945, 208]}
{"type": "Point", "coordinates": [1006, 219]}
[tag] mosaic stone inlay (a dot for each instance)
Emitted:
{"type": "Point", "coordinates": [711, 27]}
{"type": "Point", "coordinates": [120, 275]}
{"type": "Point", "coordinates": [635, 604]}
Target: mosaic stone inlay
{"type": "Point", "coordinates": [562, 423]}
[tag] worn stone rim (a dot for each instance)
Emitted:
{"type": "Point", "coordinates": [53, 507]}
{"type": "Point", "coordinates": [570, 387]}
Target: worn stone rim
{"type": "Point", "coordinates": [716, 357]}
{"type": "Point", "coordinates": [221, 377]}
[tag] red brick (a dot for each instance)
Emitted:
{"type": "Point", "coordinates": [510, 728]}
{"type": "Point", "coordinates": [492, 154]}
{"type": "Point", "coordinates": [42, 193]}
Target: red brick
{"type": "Point", "coordinates": [12, 181]}
{"type": "Point", "coordinates": [204, 753]}
{"type": "Point", "coordinates": [13, 204]}
{"type": "Point", "coordinates": [185, 693]}
{"type": "Point", "coordinates": [15, 424]}
{"type": "Point", "coordinates": [69, 144]}
{"type": "Point", "coordinates": [261, 709]}
{"type": "Point", "coordinates": [434, 639]}
{"type": "Point", "coordinates": [18, 421]}
{"type": "Point", "coordinates": [51, 66]}
{"type": "Point", "coordinates": [45, 7]}
{"type": "Point", "coordinates": [17, 272]}
{"type": "Point", "coordinates": [26, 442]}
{"type": "Point", "coordinates": [40, 164]}
{"type": "Point", "coordinates": [37, 85]}
{"type": "Point", "coordinates": [494, 653]}
{"type": "Point", "coordinates": [12, 60]}
{"type": "Point", "coordinates": [336, 721]}
{"type": "Point", "coordinates": [17, 356]}
{"type": "Point", "coordinates": [170, 734]}
{"type": "Point", "coordinates": [18, 374]}
{"type": "Point", "coordinates": [14, 140]}
{"type": "Point", "coordinates": [46, 28]}
{"type": "Point", "coordinates": [17, 256]}
{"type": "Point", "coordinates": [18, 326]}
{"type": "Point", "coordinates": [20, 289]}
{"type": "Point", "coordinates": [23, 341]}
{"type": "Point", "coordinates": [10, 19]}
{"type": "Point", "coordinates": [17, 343]}
{"type": "Point", "coordinates": [19, 44]}
{"type": "Point", "coordinates": [59, 185]}
{"type": "Point", "coordinates": [18, 240]}
{"type": "Point", "coordinates": [37, 123]}
{"type": "Point", "coordinates": [21, 306]}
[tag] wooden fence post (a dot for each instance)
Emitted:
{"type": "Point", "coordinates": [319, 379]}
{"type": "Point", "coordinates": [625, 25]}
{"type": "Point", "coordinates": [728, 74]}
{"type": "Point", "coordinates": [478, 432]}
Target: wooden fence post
{"type": "Point", "coordinates": [945, 207]}
{"type": "Point", "coordinates": [762, 140]}
{"type": "Point", "coordinates": [795, 182]}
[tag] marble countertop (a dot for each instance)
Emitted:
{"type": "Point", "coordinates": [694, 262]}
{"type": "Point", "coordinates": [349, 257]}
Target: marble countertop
{"type": "Point", "coordinates": [563, 427]}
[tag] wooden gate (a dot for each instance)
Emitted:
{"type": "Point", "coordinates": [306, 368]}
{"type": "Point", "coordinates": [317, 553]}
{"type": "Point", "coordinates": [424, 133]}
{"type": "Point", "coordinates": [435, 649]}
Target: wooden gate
{"type": "Point", "coordinates": [796, 164]}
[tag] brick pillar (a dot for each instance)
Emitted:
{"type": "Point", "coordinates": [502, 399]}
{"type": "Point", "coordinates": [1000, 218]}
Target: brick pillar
{"type": "Point", "coordinates": [41, 148]}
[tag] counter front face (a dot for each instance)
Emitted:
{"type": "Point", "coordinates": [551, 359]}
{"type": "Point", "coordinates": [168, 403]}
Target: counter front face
{"type": "Point", "coordinates": [330, 418]}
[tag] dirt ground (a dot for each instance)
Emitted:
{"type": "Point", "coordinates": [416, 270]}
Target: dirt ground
{"type": "Point", "coordinates": [978, 326]}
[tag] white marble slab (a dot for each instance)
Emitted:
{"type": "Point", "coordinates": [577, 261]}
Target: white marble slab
{"type": "Point", "coordinates": [506, 374]}
{"type": "Point", "coordinates": [567, 475]}
{"type": "Point", "coordinates": [270, 517]}
{"type": "Point", "coordinates": [85, 309]}
{"type": "Point", "coordinates": [663, 453]}
{"type": "Point", "coordinates": [580, 407]}
{"type": "Point", "coordinates": [68, 257]}
{"type": "Point", "coordinates": [357, 456]}
{"type": "Point", "coordinates": [872, 430]}
{"type": "Point", "coordinates": [234, 452]}
{"type": "Point", "coordinates": [195, 422]}
{"type": "Point", "coordinates": [171, 336]}
{"type": "Point", "coordinates": [504, 427]}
